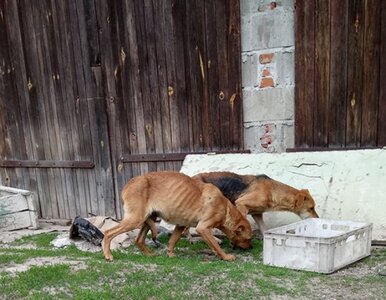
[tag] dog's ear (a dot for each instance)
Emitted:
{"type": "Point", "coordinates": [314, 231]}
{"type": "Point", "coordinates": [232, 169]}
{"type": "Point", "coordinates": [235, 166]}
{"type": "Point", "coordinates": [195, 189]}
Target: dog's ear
{"type": "Point", "coordinates": [240, 229]}
{"type": "Point", "coordinates": [300, 198]}
{"type": "Point", "coordinates": [242, 209]}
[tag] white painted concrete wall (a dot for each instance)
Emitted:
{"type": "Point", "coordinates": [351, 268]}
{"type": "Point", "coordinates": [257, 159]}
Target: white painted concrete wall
{"type": "Point", "coordinates": [346, 185]}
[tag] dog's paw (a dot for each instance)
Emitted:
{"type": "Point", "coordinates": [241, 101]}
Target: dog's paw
{"type": "Point", "coordinates": [171, 254]}
{"type": "Point", "coordinates": [109, 258]}
{"type": "Point", "coordinates": [229, 257]}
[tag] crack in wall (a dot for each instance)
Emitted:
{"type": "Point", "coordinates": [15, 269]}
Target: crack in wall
{"type": "Point", "coordinates": [309, 164]}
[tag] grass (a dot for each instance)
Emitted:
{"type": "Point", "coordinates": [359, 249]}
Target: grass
{"type": "Point", "coordinates": [194, 273]}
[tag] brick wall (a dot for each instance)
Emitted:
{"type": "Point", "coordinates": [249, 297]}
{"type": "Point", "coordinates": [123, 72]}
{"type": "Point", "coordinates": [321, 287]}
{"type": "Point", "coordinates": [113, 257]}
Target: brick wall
{"type": "Point", "coordinates": [267, 46]}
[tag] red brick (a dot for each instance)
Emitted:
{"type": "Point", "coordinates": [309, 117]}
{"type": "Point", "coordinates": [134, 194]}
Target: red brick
{"type": "Point", "coordinates": [267, 82]}
{"type": "Point", "coordinates": [265, 58]}
{"type": "Point", "coordinates": [266, 73]}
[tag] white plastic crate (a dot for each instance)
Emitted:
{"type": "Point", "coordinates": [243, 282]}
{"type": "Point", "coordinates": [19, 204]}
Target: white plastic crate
{"type": "Point", "coordinates": [318, 245]}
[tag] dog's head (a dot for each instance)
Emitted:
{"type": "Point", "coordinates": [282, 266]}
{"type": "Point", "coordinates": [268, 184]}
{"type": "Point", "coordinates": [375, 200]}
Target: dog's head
{"type": "Point", "coordinates": [240, 235]}
{"type": "Point", "coordinates": [305, 205]}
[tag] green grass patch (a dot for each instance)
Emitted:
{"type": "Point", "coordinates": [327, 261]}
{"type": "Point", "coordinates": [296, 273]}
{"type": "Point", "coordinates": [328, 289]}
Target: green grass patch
{"type": "Point", "coordinates": [194, 273]}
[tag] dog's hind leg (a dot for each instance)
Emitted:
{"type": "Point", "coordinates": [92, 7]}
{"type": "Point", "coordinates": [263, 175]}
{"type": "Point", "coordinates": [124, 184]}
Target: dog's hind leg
{"type": "Point", "coordinates": [153, 228]}
{"type": "Point", "coordinates": [140, 240]}
{"type": "Point", "coordinates": [127, 224]}
{"type": "Point", "coordinates": [207, 234]}
{"type": "Point", "coordinates": [177, 232]}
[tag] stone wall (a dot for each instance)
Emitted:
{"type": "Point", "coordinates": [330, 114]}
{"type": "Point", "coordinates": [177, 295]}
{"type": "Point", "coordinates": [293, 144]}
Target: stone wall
{"type": "Point", "coordinates": [267, 49]}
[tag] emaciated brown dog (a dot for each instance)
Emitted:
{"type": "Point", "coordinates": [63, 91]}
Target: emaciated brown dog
{"type": "Point", "coordinates": [255, 195]}
{"type": "Point", "coordinates": [183, 201]}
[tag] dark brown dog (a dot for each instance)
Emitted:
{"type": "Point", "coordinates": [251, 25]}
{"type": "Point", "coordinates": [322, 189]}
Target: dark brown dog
{"type": "Point", "coordinates": [258, 194]}
{"type": "Point", "coordinates": [183, 201]}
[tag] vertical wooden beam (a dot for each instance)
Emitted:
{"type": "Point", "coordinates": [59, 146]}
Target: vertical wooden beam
{"type": "Point", "coordinates": [338, 74]}
{"type": "Point", "coordinates": [304, 72]}
{"type": "Point", "coordinates": [212, 72]}
{"type": "Point", "coordinates": [193, 74]}
{"type": "Point", "coordinates": [381, 139]}
{"type": "Point", "coordinates": [234, 76]}
{"type": "Point", "coordinates": [322, 73]}
{"type": "Point", "coordinates": [354, 72]}
{"type": "Point", "coordinates": [371, 68]}
{"type": "Point", "coordinates": [223, 86]}
{"type": "Point", "coordinates": [178, 11]}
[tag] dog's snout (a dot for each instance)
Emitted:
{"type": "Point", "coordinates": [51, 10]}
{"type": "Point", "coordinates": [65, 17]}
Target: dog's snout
{"type": "Point", "coordinates": [243, 246]}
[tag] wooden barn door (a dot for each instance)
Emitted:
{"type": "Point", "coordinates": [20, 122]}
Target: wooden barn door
{"type": "Point", "coordinates": [172, 70]}
{"type": "Point", "coordinates": [94, 92]}
{"type": "Point", "coordinates": [53, 123]}
{"type": "Point", "coordinates": [340, 74]}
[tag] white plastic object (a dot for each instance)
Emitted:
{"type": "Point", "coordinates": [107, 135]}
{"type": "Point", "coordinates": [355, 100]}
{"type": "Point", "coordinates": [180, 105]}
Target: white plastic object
{"type": "Point", "coordinates": [318, 245]}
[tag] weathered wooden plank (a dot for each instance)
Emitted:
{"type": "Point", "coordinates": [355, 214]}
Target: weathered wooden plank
{"type": "Point", "coordinates": [381, 140]}
{"type": "Point", "coordinates": [101, 179]}
{"type": "Point", "coordinates": [62, 70]}
{"type": "Point", "coordinates": [164, 87]}
{"type": "Point", "coordinates": [194, 74]}
{"type": "Point", "coordinates": [372, 19]}
{"type": "Point", "coordinates": [48, 57]}
{"type": "Point", "coordinates": [135, 109]}
{"type": "Point", "coordinates": [212, 74]}
{"type": "Point", "coordinates": [221, 14]}
{"type": "Point", "coordinates": [64, 84]}
{"type": "Point", "coordinates": [180, 156]}
{"type": "Point", "coordinates": [52, 79]}
{"type": "Point", "coordinates": [304, 72]}
{"type": "Point", "coordinates": [12, 139]}
{"type": "Point", "coordinates": [115, 70]}
{"type": "Point", "coordinates": [86, 92]}
{"type": "Point", "coordinates": [338, 74]}
{"type": "Point", "coordinates": [87, 14]}
{"type": "Point", "coordinates": [18, 65]}
{"type": "Point", "coordinates": [144, 70]}
{"type": "Point", "coordinates": [150, 27]}
{"type": "Point", "coordinates": [168, 18]}
{"type": "Point", "coordinates": [322, 72]}
{"type": "Point", "coordinates": [180, 90]}
{"type": "Point", "coordinates": [46, 164]}
{"type": "Point", "coordinates": [203, 77]}
{"type": "Point", "coordinates": [234, 76]}
{"type": "Point", "coordinates": [4, 92]}
{"type": "Point", "coordinates": [35, 105]}
{"type": "Point", "coordinates": [87, 180]}
{"type": "Point", "coordinates": [354, 72]}
{"type": "Point", "coordinates": [122, 111]}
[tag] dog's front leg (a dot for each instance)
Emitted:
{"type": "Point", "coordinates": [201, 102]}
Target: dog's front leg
{"type": "Point", "coordinates": [259, 221]}
{"type": "Point", "coordinates": [207, 235]}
